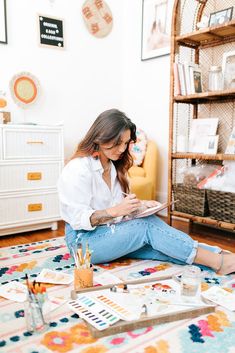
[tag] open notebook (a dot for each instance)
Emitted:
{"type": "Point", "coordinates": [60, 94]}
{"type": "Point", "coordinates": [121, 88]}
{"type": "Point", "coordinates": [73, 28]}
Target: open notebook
{"type": "Point", "coordinates": [144, 212]}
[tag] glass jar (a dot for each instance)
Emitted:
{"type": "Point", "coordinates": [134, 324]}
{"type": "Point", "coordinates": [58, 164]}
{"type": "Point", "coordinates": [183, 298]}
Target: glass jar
{"type": "Point", "coordinates": [191, 282]}
{"type": "Point", "coordinates": [215, 79]}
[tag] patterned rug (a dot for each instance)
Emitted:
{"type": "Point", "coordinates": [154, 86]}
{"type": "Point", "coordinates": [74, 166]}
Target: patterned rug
{"type": "Point", "coordinates": [210, 333]}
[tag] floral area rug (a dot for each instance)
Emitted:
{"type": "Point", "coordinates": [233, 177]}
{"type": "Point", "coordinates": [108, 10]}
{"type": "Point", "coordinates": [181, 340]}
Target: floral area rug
{"type": "Point", "coordinates": [210, 333]}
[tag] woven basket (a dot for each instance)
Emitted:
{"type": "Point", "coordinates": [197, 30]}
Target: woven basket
{"type": "Point", "coordinates": [221, 205]}
{"type": "Point", "coordinates": [191, 200]}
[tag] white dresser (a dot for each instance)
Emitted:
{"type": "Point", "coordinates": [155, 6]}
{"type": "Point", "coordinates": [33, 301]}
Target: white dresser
{"type": "Point", "coordinates": [31, 159]}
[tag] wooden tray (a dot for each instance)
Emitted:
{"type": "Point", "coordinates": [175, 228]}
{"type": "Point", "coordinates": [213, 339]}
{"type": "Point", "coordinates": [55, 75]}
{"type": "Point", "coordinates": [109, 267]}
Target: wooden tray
{"type": "Point", "coordinates": [146, 321]}
{"type": "Point", "coordinates": [74, 293]}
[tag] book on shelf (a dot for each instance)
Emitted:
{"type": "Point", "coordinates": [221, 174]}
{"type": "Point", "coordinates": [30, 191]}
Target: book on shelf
{"type": "Point", "coordinates": [177, 88]}
{"type": "Point", "coordinates": [182, 79]}
{"type": "Point", "coordinates": [200, 130]}
{"type": "Point", "coordinates": [187, 78]}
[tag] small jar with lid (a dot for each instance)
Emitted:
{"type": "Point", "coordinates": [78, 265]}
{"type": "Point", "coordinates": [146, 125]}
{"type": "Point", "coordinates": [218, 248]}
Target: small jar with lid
{"type": "Point", "coordinates": [215, 79]}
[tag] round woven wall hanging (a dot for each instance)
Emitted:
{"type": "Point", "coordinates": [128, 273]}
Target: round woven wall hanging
{"type": "Point", "coordinates": [98, 17]}
{"type": "Point", "coordinates": [24, 89]}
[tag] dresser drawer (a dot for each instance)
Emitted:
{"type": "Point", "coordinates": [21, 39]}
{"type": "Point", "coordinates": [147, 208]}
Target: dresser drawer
{"type": "Point", "coordinates": [31, 144]}
{"type": "Point", "coordinates": [28, 208]}
{"type": "Point", "coordinates": [1, 144]}
{"type": "Point", "coordinates": [26, 176]}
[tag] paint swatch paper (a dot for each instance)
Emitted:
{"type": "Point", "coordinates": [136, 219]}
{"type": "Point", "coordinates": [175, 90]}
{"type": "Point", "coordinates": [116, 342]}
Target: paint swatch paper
{"type": "Point", "coordinates": [14, 291]}
{"type": "Point", "coordinates": [53, 303]}
{"type": "Point", "coordinates": [221, 297]}
{"type": "Point", "coordinates": [54, 277]}
{"type": "Point", "coordinates": [107, 278]}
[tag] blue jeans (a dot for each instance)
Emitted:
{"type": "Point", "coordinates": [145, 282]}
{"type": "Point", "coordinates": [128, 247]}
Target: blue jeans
{"type": "Point", "coordinates": [143, 238]}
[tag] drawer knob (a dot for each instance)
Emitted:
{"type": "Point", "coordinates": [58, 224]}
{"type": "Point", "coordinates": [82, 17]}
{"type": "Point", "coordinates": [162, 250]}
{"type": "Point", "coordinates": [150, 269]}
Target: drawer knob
{"type": "Point", "coordinates": [34, 176]}
{"type": "Point", "coordinates": [32, 207]}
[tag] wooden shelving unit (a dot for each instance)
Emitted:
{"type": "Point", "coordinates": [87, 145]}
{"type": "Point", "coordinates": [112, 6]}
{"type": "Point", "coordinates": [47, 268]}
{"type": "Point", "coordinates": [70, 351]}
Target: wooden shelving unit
{"type": "Point", "coordinates": [205, 47]}
{"type": "Point", "coordinates": [206, 97]}
{"type": "Point", "coordinates": [206, 157]}
{"type": "Point", "coordinates": [207, 37]}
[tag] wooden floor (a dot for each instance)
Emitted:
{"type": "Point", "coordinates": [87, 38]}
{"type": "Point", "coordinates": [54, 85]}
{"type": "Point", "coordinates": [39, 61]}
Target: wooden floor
{"type": "Point", "coordinates": [222, 238]}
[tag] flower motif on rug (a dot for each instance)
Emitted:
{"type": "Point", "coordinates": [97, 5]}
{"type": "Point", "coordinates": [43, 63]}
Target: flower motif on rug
{"type": "Point", "coordinates": [148, 271]}
{"type": "Point", "coordinates": [212, 332]}
{"type": "Point", "coordinates": [18, 268]}
{"type": "Point", "coordinates": [63, 341]}
{"type": "Point", "coordinates": [81, 335]}
{"type": "Point", "coordinates": [95, 349]}
{"type": "Point", "coordinates": [160, 347]}
{"type": "Point", "coordinates": [114, 264]}
{"type": "Point", "coordinates": [59, 258]}
{"type": "Point", "coordinates": [58, 341]}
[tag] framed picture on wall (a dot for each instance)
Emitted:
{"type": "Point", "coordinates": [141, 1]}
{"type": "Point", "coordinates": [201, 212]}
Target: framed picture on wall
{"type": "Point", "coordinates": [3, 22]}
{"type": "Point", "coordinates": [156, 28]}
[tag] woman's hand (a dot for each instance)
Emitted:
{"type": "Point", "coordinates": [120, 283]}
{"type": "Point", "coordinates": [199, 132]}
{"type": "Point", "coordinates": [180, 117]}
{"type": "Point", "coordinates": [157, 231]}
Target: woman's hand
{"type": "Point", "coordinates": [150, 203]}
{"type": "Point", "coordinates": [129, 204]}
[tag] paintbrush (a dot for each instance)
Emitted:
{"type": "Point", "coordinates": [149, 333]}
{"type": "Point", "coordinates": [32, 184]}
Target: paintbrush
{"type": "Point", "coordinates": [75, 257]}
{"type": "Point", "coordinates": [80, 256]}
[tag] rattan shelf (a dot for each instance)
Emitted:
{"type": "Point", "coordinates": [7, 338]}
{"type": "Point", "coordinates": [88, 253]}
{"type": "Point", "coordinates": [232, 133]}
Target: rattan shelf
{"type": "Point", "coordinates": [212, 157]}
{"type": "Point", "coordinates": [207, 97]}
{"type": "Point", "coordinates": [210, 36]}
{"type": "Point", "coordinates": [206, 48]}
{"type": "Point", "coordinates": [204, 220]}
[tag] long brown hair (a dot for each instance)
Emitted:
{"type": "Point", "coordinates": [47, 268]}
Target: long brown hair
{"type": "Point", "coordinates": [109, 126]}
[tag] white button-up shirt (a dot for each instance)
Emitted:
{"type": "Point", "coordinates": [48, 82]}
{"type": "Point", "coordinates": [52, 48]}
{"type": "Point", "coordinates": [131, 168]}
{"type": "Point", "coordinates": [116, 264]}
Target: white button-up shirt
{"type": "Point", "coordinates": [82, 191]}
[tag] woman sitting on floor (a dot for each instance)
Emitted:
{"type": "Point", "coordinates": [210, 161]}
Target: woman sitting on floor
{"type": "Point", "coordinates": [91, 189]}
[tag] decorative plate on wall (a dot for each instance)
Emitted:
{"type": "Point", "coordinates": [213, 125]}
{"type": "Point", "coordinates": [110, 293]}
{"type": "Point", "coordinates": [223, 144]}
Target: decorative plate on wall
{"type": "Point", "coordinates": [24, 89]}
{"type": "Point", "coordinates": [98, 17]}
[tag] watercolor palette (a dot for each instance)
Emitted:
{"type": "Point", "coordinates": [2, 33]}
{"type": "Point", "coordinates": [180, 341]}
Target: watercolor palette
{"type": "Point", "coordinates": [110, 303]}
{"type": "Point", "coordinates": [90, 303]}
{"type": "Point", "coordinates": [93, 319]}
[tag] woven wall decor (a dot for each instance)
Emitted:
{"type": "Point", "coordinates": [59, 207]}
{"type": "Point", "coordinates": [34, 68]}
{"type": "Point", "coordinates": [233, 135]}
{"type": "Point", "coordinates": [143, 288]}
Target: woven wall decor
{"type": "Point", "coordinates": [24, 89]}
{"type": "Point", "coordinates": [97, 17]}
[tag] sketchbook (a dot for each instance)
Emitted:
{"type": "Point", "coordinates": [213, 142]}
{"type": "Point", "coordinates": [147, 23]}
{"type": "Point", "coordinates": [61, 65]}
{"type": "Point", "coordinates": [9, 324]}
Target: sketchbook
{"type": "Point", "coordinates": [148, 211]}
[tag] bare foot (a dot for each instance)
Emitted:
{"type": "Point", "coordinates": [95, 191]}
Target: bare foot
{"type": "Point", "coordinates": [227, 264]}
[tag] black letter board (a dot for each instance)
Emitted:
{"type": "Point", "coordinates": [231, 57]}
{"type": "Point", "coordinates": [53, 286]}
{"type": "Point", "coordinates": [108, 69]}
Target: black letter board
{"type": "Point", "coordinates": [51, 31]}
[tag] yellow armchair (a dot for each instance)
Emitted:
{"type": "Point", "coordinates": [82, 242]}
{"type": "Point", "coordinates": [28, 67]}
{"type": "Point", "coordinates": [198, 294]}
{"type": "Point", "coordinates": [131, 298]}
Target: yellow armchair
{"type": "Point", "coordinates": [143, 179]}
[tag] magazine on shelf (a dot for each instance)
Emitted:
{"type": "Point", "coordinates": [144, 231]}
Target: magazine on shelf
{"type": "Point", "coordinates": [199, 132]}
{"type": "Point", "coordinates": [189, 79]}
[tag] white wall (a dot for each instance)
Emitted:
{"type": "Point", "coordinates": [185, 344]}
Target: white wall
{"type": "Point", "coordinates": [77, 83]}
{"type": "Point", "coordinates": [145, 91]}
{"type": "Point", "coordinates": [90, 75]}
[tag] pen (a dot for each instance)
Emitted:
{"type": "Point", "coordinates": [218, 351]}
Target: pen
{"type": "Point", "coordinates": [124, 193]}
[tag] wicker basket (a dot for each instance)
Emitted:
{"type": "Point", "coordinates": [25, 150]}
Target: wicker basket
{"type": "Point", "coordinates": [221, 205]}
{"type": "Point", "coordinates": [191, 200]}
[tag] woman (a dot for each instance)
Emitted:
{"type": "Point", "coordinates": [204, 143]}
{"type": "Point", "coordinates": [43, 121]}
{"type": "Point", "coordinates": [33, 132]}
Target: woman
{"type": "Point", "coordinates": [91, 190]}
